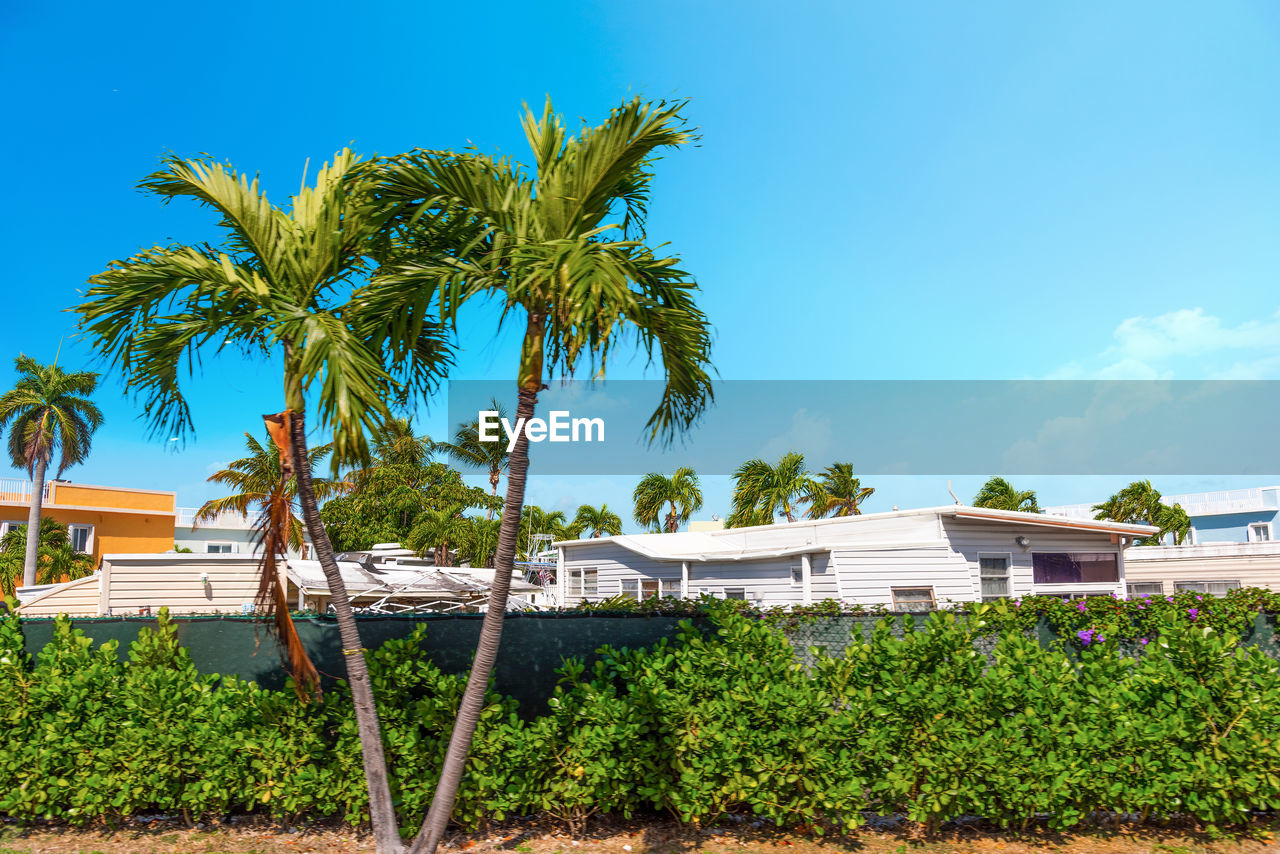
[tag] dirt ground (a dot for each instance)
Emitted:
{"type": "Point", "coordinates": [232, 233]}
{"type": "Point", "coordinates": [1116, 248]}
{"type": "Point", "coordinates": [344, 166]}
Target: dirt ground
{"type": "Point", "coordinates": [247, 836]}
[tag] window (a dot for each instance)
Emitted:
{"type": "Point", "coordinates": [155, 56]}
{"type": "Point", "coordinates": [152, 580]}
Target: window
{"type": "Point", "coordinates": [735, 593]}
{"type": "Point", "coordinates": [6, 527]}
{"type": "Point", "coordinates": [797, 576]}
{"type": "Point", "coordinates": [1215, 588]}
{"type": "Point", "coordinates": [994, 575]}
{"type": "Point", "coordinates": [218, 548]}
{"type": "Point", "coordinates": [81, 537]}
{"type": "Point", "coordinates": [912, 598]}
{"type": "Point", "coordinates": [1260, 532]}
{"type": "Point", "coordinates": [1145, 588]}
{"type": "Point", "coordinates": [1074, 567]}
{"type": "Point", "coordinates": [644, 588]}
{"type": "Point", "coordinates": [581, 582]}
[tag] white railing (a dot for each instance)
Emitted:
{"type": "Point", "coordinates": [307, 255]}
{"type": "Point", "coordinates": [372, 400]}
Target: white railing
{"type": "Point", "coordinates": [17, 491]}
{"type": "Point", "coordinates": [186, 518]}
{"type": "Point", "coordinates": [1073, 511]}
{"type": "Point", "coordinates": [1223, 501]}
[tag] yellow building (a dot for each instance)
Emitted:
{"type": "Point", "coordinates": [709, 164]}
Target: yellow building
{"type": "Point", "coordinates": [101, 519]}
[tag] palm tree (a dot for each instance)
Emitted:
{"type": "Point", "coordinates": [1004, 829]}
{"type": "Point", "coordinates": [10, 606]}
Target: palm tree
{"type": "Point", "coordinates": [598, 520]}
{"type": "Point", "coordinates": [481, 541]}
{"type": "Point", "coordinates": [396, 444]}
{"type": "Point", "coordinates": [763, 492]}
{"type": "Point", "coordinates": [839, 493]}
{"type": "Point", "coordinates": [259, 478]}
{"type": "Point", "coordinates": [1141, 503]}
{"type": "Point", "coordinates": [438, 531]}
{"type": "Point", "coordinates": [998, 494]}
{"type": "Point", "coordinates": [57, 558]}
{"type": "Point", "coordinates": [467, 449]}
{"type": "Point", "coordinates": [277, 288]}
{"type": "Point", "coordinates": [562, 252]}
{"type": "Point", "coordinates": [535, 520]}
{"type": "Point", "coordinates": [680, 495]}
{"type": "Point", "coordinates": [49, 412]}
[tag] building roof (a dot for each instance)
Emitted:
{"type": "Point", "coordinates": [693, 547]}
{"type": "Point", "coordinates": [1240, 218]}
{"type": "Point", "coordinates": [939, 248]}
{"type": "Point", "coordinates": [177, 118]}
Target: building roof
{"type": "Point", "coordinates": [716, 545]}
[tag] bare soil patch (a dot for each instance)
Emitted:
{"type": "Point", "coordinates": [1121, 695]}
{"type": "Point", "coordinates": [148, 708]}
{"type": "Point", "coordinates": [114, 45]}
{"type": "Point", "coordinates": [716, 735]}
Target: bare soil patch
{"type": "Point", "coordinates": [255, 836]}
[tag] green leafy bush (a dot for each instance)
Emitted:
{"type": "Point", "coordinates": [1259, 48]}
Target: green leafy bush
{"type": "Point", "coordinates": [722, 718]}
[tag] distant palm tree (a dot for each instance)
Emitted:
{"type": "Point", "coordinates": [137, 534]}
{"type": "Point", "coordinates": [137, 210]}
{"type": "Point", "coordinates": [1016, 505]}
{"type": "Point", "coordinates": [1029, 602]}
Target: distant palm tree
{"type": "Point", "coordinates": [481, 542]}
{"type": "Point", "coordinates": [440, 531]}
{"type": "Point", "coordinates": [839, 493]}
{"type": "Point", "coordinates": [467, 449]}
{"type": "Point", "coordinates": [394, 444]}
{"type": "Point", "coordinates": [763, 492]}
{"type": "Point", "coordinates": [680, 495]}
{"type": "Point", "coordinates": [257, 479]}
{"type": "Point", "coordinates": [49, 410]}
{"type": "Point", "coordinates": [598, 521]}
{"type": "Point", "coordinates": [1141, 503]}
{"type": "Point", "coordinates": [57, 558]}
{"type": "Point", "coordinates": [998, 494]}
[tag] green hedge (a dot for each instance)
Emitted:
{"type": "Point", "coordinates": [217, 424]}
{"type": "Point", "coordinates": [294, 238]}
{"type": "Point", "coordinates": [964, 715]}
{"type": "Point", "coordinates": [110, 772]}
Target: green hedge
{"type": "Point", "coordinates": [714, 721]}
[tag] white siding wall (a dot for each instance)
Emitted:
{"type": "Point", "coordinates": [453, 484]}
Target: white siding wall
{"type": "Point", "coordinates": [1252, 564]}
{"type": "Point", "coordinates": [973, 537]}
{"type": "Point", "coordinates": [825, 583]}
{"type": "Point", "coordinates": [79, 599]}
{"type": "Point", "coordinates": [767, 582]}
{"type": "Point", "coordinates": [614, 563]}
{"type": "Point", "coordinates": [867, 575]}
{"type": "Point", "coordinates": [134, 583]}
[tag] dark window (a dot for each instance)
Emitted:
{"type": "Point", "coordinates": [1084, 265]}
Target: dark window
{"type": "Point", "coordinates": [1074, 567]}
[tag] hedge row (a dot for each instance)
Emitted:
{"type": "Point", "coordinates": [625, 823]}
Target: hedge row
{"type": "Point", "coordinates": [714, 721]}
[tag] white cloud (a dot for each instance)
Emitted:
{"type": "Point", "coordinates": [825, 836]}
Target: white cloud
{"type": "Point", "coordinates": [1186, 343]}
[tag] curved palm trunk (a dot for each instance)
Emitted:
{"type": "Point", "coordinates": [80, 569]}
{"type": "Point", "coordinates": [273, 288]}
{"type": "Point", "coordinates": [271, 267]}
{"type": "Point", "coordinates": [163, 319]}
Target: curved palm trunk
{"type": "Point", "coordinates": [455, 760]}
{"type": "Point", "coordinates": [386, 830]}
{"type": "Point", "coordinates": [32, 555]}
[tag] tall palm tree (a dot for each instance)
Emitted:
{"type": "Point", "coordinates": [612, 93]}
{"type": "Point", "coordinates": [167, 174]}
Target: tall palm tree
{"type": "Point", "coordinates": [999, 494]}
{"type": "Point", "coordinates": [839, 493]}
{"type": "Point", "coordinates": [680, 495]}
{"type": "Point", "coordinates": [57, 558]}
{"type": "Point", "coordinates": [258, 479]}
{"type": "Point", "coordinates": [562, 252]}
{"type": "Point", "coordinates": [467, 449]}
{"type": "Point", "coordinates": [278, 288]}
{"type": "Point", "coordinates": [762, 492]}
{"type": "Point", "coordinates": [1142, 504]}
{"type": "Point", "coordinates": [598, 520]}
{"type": "Point", "coordinates": [49, 412]}
{"type": "Point", "coordinates": [395, 443]}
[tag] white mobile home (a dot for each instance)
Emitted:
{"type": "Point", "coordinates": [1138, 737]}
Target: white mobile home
{"type": "Point", "coordinates": [906, 560]}
{"type": "Point", "coordinates": [1207, 568]}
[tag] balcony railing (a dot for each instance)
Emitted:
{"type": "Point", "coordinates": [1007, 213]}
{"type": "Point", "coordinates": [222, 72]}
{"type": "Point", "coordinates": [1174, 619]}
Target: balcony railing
{"type": "Point", "coordinates": [16, 491]}
{"type": "Point", "coordinates": [186, 518]}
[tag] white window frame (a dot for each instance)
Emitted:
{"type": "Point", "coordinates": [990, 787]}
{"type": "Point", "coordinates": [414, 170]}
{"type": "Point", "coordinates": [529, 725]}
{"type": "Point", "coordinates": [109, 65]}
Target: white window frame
{"type": "Point", "coordinates": [88, 541]}
{"type": "Point", "coordinates": [1007, 557]}
{"type": "Point", "coordinates": [1132, 594]}
{"type": "Point", "coordinates": [9, 524]}
{"type": "Point", "coordinates": [741, 590]}
{"type": "Point", "coordinates": [575, 582]}
{"type": "Point", "coordinates": [933, 599]}
{"type": "Point", "coordinates": [1253, 537]}
{"type": "Point", "coordinates": [1200, 586]}
{"type": "Point", "coordinates": [663, 588]}
{"type": "Point", "coordinates": [230, 547]}
{"type": "Point", "coordinates": [797, 575]}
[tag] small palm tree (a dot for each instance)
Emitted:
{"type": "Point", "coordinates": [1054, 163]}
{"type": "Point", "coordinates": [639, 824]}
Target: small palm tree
{"type": "Point", "coordinates": [48, 411]}
{"type": "Point", "coordinates": [599, 521]}
{"type": "Point", "coordinates": [762, 492]}
{"type": "Point", "coordinates": [57, 559]}
{"type": "Point", "coordinates": [839, 493]}
{"type": "Point", "coordinates": [680, 495]}
{"type": "Point", "coordinates": [481, 541]}
{"type": "Point", "coordinates": [257, 480]}
{"type": "Point", "coordinates": [999, 494]}
{"type": "Point", "coordinates": [439, 531]}
{"type": "Point", "coordinates": [1141, 503]}
{"type": "Point", "coordinates": [467, 449]}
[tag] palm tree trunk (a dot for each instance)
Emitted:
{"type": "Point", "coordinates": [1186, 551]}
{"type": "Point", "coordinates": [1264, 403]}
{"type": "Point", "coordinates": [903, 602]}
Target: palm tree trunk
{"type": "Point", "coordinates": [455, 760]}
{"type": "Point", "coordinates": [386, 830]}
{"type": "Point", "coordinates": [494, 477]}
{"type": "Point", "coordinates": [29, 561]}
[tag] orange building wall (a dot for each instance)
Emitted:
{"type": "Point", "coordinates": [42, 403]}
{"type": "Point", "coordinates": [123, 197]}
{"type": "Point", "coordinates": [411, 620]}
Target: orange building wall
{"type": "Point", "coordinates": [79, 495]}
{"type": "Point", "coordinates": [126, 531]}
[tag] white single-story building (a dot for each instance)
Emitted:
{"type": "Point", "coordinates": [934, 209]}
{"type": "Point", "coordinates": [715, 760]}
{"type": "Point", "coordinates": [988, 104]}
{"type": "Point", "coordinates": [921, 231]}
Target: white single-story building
{"type": "Point", "coordinates": [1206, 568]}
{"type": "Point", "coordinates": [133, 584]}
{"type": "Point", "coordinates": [905, 560]}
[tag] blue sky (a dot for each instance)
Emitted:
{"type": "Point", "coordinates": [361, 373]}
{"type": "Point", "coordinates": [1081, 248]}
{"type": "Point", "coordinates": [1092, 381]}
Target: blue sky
{"type": "Point", "coordinates": [920, 191]}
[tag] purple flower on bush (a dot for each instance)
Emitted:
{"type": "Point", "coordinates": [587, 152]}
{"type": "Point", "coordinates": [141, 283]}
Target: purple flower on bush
{"type": "Point", "coordinates": [1080, 607]}
{"type": "Point", "coordinates": [1144, 641]}
{"type": "Point", "coordinates": [1086, 636]}
{"type": "Point", "coordinates": [1193, 612]}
